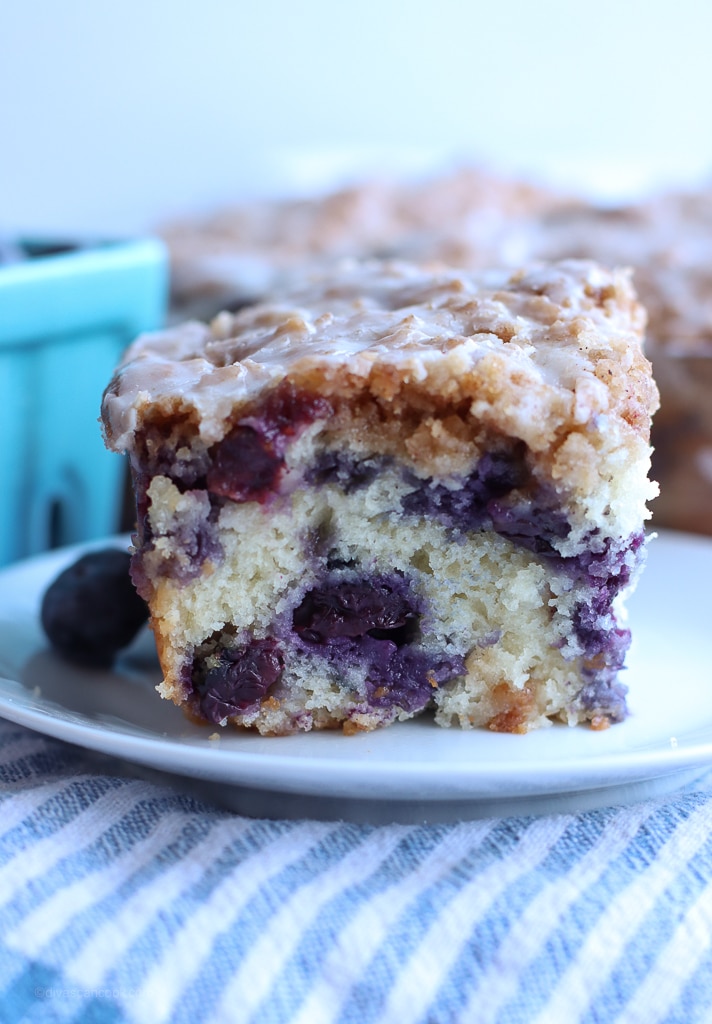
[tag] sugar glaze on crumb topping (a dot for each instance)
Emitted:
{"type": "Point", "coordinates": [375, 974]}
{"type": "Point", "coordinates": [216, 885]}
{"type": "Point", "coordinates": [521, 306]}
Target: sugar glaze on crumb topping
{"type": "Point", "coordinates": [540, 351]}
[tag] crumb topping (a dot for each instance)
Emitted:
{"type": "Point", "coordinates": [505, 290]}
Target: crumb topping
{"type": "Point", "coordinates": [535, 350]}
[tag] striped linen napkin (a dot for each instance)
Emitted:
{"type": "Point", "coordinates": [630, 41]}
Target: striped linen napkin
{"type": "Point", "coordinates": [122, 900]}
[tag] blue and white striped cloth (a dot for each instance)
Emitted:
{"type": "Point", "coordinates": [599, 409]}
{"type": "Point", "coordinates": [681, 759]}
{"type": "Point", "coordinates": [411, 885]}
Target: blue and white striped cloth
{"type": "Point", "coordinates": [125, 901]}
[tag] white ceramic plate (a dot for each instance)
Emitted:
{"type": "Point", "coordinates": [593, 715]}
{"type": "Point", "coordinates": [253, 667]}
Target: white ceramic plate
{"type": "Point", "coordinates": [414, 764]}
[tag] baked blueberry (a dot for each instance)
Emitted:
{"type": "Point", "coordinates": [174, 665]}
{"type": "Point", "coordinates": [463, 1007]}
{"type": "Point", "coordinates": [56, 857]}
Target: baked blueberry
{"type": "Point", "coordinates": [239, 679]}
{"type": "Point", "coordinates": [354, 608]}
{"type": "Point", "coordinates": [91, 610]}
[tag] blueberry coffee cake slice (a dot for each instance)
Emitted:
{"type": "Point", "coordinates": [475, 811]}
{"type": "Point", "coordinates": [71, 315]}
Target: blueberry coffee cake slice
{"type": "Point", "coordinates": [394, 488]}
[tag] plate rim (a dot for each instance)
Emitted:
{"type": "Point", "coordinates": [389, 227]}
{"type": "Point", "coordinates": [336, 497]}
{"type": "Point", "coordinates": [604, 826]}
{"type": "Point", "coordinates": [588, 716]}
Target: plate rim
{"type": "Point", "coordinates": [312, 774]}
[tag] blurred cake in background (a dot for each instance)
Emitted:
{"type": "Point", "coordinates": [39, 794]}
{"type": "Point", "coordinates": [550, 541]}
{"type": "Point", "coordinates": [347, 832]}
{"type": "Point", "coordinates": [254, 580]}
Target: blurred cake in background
{"type": "Point", "coordinates": [668, 242]}
{"type": "Point", "coordinates": [244, 251]}
{"type": "Point", "coordinates": [472, 219]}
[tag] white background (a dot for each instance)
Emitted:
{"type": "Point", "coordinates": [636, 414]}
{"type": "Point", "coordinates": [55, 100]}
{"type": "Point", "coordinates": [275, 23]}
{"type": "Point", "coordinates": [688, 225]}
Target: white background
{"type": "Point", "coordinates": [114, 115]}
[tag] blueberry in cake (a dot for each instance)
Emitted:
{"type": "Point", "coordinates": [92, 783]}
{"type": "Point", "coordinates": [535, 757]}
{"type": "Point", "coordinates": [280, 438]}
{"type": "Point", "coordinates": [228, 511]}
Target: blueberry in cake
{"type": "Point", "coordinates": [394, 488]}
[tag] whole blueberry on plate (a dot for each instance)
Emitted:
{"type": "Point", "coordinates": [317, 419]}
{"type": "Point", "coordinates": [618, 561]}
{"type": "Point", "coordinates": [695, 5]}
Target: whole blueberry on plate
{"type": "Point", "coordinates": [91, 610]}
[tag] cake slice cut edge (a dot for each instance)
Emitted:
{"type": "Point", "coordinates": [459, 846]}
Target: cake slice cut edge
{"type": "Point", "coordinates": [394, 489]}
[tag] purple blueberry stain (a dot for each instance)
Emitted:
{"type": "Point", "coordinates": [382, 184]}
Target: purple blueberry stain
{"type": "Point", "coordinates": [404, 677]}
{"type": "Point", "coordinates": [407, 677]}
{"type": "Point", "coordinates": [465, 507]}
{"type": "Point", "coordinates": [194, 537]}
{"type": "Point", "coordinates": [490, 639]}
{"type": "Point", "coordinates": [373, 623]}
{"type": "Point", "coordinates": [604, 573]}
{"type": "Point", "coordinates": [238, 679]}
{"type": "Point", "coordinates": [348, 471]}
{"type": "Point", "coordinates": [534, 524]}
{"type": "Point", "coordinates": [500, 494]}
{"type": "Point", "coordinates": [602, 692]}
